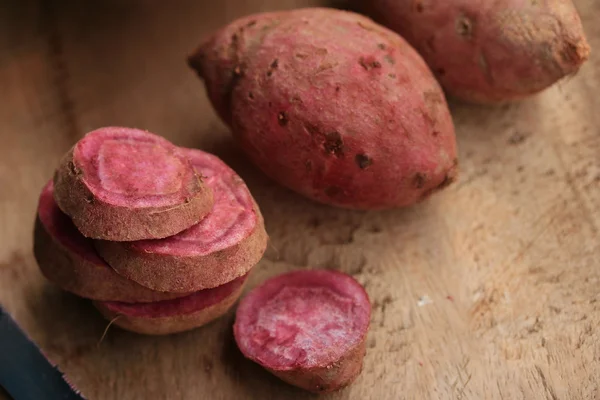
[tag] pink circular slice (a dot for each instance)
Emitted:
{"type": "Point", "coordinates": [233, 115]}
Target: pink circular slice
{"type": "Point", "coordinates": [224, 245]}
{"type": "Point", "coordinates": [127, 184]}
{"type": "Point", "coordinates": [303, 320]}
{"type": "Point", "coordinates": [132, 168]}
{"type": "Point", "coordinates": [69, 259]}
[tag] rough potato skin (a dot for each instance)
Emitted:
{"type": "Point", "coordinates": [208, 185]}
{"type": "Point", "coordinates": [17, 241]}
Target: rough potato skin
{"type": "Point", "coordinates": [97, 217]}
{"type": "Point", "coordinates": [193, 273]}
{"type": "Point", "coordinates": [170, 324]}
{"type": "Point", "coordinates": [329, 378]}
{"type": "Point", "coordinates": [86, 279]}
{"type": "Point", "coordinates": [331, 105]}
{"type": "Point", "coordinates": [490, 51]}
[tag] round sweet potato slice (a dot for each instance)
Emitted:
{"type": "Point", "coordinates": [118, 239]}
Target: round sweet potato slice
{"type": "Point", "coordinates": [220, 248]}
{"type": "Point", "coordinates": [177, 315]}
{"type": "Point", "coordinates": [69, 260]}
{"type": "Point", "coordinates": [306, 327]}
{"type": "Point", "coordinates": [127, 184]}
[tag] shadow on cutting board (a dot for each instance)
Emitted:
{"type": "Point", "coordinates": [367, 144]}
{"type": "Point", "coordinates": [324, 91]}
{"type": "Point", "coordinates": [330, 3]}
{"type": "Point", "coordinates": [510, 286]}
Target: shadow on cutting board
{"type": "Point", "coordinates": [70, 323]}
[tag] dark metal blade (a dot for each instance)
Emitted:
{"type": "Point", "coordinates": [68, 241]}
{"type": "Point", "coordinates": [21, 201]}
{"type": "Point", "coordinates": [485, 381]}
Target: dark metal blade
{"type": "Point", "coordinates": [25, 372]}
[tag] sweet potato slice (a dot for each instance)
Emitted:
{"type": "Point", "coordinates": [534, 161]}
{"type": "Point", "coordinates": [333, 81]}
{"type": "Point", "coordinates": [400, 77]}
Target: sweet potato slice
{"type": "Point", "coordinates": [220, 248]}
{"type": "Point", "coordinates": [69, 260]}
{"type": "Point", "coordinates": [127, 184]}
{"type": "Point", "coordinates": [306, 327]}
{"type": "Point", "coordinates": [177, 315]}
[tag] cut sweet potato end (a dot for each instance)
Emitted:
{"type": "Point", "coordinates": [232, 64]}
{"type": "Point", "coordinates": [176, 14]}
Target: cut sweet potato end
{"type": "Point", "coordinates": [133, 168]}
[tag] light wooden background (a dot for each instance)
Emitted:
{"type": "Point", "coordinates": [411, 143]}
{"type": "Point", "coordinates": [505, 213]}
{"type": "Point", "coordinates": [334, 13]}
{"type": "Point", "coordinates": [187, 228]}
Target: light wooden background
{"type": "Point", "coordinates": [490, 290]}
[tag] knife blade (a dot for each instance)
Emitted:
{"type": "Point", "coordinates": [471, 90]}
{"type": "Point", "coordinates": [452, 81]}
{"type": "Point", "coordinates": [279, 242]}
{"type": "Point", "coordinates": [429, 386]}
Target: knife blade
{"type": "Point", "coordinates": [25, 373]}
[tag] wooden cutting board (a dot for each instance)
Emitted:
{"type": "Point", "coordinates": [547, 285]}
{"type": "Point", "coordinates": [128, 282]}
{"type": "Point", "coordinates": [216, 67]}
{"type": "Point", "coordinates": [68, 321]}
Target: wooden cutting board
{"type": "Point", "coordinates": [490, 290]}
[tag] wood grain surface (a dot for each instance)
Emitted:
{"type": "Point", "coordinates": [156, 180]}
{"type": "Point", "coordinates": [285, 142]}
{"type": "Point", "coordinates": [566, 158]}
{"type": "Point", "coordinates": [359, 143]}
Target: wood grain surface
{"type": "Point", "coordinates": [490, 290]}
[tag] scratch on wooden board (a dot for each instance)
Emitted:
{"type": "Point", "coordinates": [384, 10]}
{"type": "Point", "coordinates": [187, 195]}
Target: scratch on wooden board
{"type": "Point", "coordinates": [553, 214]}
{"type": "Point", "coordinates": [528, 246]}
{"type": "Point", "coordinates": [463, 378]}
{"type": "Point", "coordinates": [549, 389]}
{"type": "Point", "coordinates": [578, 196]}
{"type": "Point", "coordinates": [56, 60]}
{"type": "Point", "coordinates": [483, 305]}
{"type": "Point", "coordinates": [499, 390]}
{"type": "Point", "coordinates": [470, 179]}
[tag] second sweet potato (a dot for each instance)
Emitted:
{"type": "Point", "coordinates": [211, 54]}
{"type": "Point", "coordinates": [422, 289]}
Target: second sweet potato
{"type": "Point", "coordinates": [490, 50]}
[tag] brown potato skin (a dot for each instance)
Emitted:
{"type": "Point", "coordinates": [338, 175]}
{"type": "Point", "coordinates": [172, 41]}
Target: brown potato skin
{"type": "Point", "coordinates": [193, 273]}
{"type": "Point", "coordinates": [77, 275]}
{"type": "Point", "coordinates": [99, 220]}
{"type": "Point", "coordinates": [171, 324]}
{"type": "Point", "coordinates": [490, 51]}
{"type": "Point", "coordinates": [329, 378]}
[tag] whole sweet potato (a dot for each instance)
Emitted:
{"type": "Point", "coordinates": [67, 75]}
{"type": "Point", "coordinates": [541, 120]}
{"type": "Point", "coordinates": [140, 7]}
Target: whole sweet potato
{"type": "Point", "coordinates": [490, 50]}
{"type": "Point", "coordinates": [331, 105]}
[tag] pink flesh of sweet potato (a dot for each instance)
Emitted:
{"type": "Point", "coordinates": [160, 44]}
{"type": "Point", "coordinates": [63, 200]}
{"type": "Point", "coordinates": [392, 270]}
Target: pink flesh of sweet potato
{"type": "Point", "coordinates": [128, 184]}
{"type": "Point", "coordinates": [332, 106]}
{"type": "Point", "coordinates": [69, 259]}
{"type": "Point", "coordinates": [223, 246]}
{"type": "Point", "coordinates": [130, 168]}
{"type": "Point", "coordinates": [168, 317]}
{"type": "Point", "coordinates": [303, 325]}
{"type": "Point", "coordinates": [231, 220]}
{"type": "Point", "coordinates": [490, 50]}
{"type": "Point", "coordinates": [182, 305]}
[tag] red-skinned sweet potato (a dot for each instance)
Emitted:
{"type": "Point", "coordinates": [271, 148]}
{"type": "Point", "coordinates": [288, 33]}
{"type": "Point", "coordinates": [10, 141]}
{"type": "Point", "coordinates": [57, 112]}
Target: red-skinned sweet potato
{"type": "Point", "coordinates": [331, 105]}
{"type": "Point", "coordinates": [489, 50]}
{"type": "Point", "coordinates": [307, 327]}
{"type": "Point", "coordinates": [127, 184]}
{"type": "Point", "coordinates": [176, 315]}
{"type": "Point", "coordinates": [69, 260]}
{"type": "Point", "coordinates": [221, 247]}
